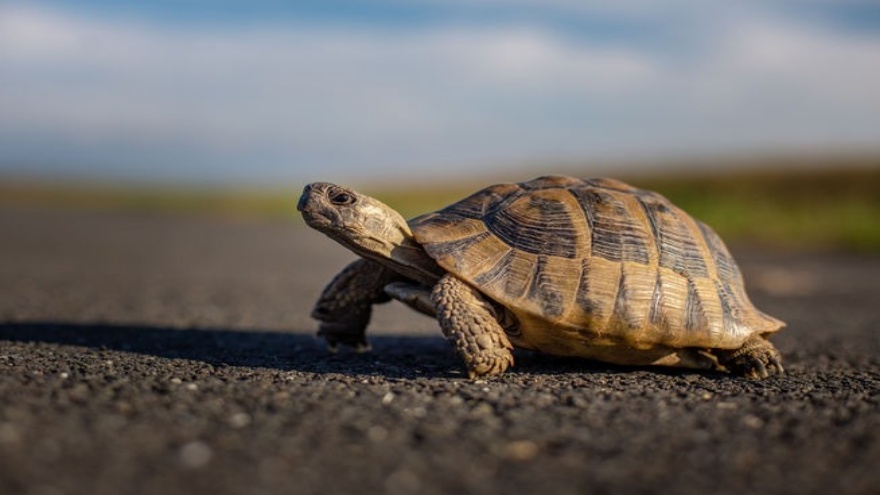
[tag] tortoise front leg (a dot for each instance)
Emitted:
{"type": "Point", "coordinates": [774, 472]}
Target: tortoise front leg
{"type": "Point", "coordinates": [469, 324]}
{"type": "Point", "coordinates": [345, 305]}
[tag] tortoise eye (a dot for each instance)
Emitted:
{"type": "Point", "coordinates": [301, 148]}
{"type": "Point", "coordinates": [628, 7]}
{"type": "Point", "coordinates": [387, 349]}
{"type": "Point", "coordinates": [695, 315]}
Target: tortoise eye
{"type": "Point", "coordinates": [341, 198]}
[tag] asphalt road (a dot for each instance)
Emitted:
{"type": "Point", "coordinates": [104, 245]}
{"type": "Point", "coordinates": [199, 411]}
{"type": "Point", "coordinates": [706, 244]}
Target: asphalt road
{"type": "Point", "coordinates": [151, 354]}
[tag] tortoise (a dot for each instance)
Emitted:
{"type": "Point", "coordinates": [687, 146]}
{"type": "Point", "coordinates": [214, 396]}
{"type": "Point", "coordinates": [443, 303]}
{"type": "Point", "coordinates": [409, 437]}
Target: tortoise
{"type": "Point", "coordinates": [593, 268]}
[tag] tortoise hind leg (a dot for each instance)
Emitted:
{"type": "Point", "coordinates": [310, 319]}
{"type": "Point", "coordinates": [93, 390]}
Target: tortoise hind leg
{"type": "Point", "coordinates": [469, 324]}
{"type": "Point", "coordinates": [756, 359]}
{"type": "Point", "coordinates": [345, 305]}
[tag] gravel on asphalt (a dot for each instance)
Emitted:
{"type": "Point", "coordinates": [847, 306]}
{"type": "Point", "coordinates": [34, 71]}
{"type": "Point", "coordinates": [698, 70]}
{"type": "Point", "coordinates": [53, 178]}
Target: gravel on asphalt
{"type": "Point", "coordinates": [155, 354]}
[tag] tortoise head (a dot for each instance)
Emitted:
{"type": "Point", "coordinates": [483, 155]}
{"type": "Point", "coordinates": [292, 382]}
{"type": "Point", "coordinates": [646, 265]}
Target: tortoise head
{"type": "Point", "coordinates": [368, 227]}
{"type": "Point", "coordinates": [363, 224]}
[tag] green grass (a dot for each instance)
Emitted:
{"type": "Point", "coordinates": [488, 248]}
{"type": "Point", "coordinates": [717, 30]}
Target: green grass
{"type": "Point", "coordinates": [814, 208]}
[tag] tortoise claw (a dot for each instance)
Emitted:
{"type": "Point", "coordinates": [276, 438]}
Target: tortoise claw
{"type": "Point", "coordinates": [342, 333]}
{"type": "Point", "coordinates": [760, 365]}
{"type": "Point", "coordinates": [756, 359]}
{"type": "Point", "coordinates": [490, 364]}
{"type": "Point", "coordinates": [358, 347]}
{"type": "Point", "coordinates": [756, 370]}
{"type": "Point", "coordinates": [362, 347]}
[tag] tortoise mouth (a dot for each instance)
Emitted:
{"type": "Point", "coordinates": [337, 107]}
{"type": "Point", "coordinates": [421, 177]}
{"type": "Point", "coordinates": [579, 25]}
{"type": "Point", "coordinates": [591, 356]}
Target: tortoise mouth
{"type": "Point", "coordinates": [316, 221]}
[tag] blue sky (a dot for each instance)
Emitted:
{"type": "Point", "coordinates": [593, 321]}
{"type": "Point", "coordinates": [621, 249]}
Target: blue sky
{"type": "Point", "coordinates": [271, 92]}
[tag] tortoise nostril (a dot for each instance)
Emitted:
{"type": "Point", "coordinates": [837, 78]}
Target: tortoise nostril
{"type": "Point", "coordinates": [303, 199]}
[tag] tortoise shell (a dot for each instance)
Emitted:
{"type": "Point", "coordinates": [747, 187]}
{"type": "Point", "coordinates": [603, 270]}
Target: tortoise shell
{"type": "Point", "coordinates": [596, 262]}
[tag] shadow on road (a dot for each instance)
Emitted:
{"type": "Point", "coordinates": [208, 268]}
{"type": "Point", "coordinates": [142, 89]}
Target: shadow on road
{"type": "Point", "coordinates": [393, 356]}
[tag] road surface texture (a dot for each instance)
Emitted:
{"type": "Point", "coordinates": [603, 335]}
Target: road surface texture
{"type": "Point", "coordinates": [155, 354]}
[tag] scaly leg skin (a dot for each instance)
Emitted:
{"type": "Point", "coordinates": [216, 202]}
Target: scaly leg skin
{"type": "Point", "coordinates": [756, 359]}
{"type": "Point", "coordinates": [345, 306]}
{"type": "Point", "coordinates": [469, 324]}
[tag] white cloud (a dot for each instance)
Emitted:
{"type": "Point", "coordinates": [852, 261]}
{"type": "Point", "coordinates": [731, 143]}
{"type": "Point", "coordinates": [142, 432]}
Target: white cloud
{"type": "Point", "coordinates": [300, 96]}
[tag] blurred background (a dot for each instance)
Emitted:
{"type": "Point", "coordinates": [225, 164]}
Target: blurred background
{"type": "Point", "coordinates": [762, 118]}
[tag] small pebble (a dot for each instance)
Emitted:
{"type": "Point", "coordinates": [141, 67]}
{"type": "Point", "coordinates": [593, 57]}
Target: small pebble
{"type": "Point", "coordinates": [521, 450]}
{"type": "Point", "coordinates": [240, 420]}
{"type": "Point", "coordinates": [416, 412]}
{"type": "Point", "coordinates": [195, 454]}
{"type": "Point", "coordinates": [753, 421]}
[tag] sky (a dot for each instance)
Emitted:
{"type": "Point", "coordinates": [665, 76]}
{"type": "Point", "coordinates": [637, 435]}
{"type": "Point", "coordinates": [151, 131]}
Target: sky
{"type": "Point", "coordinates": [271, 92]}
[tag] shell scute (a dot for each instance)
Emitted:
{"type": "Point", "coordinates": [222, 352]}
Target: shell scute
{"type": "Point", "coordinates": [544, 222]}
{"type": "Point", "coordinates": [632, 306]}
{"type": "Point", "coordinates": [546, 290]}
{"type": "Point", "coordinates": [615, 234]}
{"type": "Point", "coordinates": [674, 237]}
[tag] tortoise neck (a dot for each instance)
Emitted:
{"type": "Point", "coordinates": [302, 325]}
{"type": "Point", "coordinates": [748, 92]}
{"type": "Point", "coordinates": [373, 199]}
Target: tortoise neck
{"type": "Point", "coordinates": [389, 241]}
{"type": "Point", "coordinates": [410, 259]}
